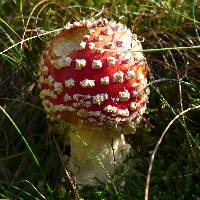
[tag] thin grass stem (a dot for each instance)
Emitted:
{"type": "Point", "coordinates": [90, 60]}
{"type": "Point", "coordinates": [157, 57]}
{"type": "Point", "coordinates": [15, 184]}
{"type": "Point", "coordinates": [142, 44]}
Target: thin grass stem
{"type": "Point", "coordinates": [28, 147]}
{"type": "Point", "coordinates": [146, 195]}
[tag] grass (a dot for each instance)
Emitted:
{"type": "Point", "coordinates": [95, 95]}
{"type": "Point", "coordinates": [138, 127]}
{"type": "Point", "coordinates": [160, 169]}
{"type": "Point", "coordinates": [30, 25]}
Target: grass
{"type": "Point", "coordinates": [166, 147]}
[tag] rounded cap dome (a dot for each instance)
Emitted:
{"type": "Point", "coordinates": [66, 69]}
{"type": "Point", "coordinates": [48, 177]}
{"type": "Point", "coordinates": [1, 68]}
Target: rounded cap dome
{"type": "Point", "coordinates": [88, 75]}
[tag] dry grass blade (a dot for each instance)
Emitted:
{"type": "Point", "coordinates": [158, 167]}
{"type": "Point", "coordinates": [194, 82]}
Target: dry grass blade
{"type": "Point", "coordinates": [67, 173]}
{"type": "Point", "coordinates": [146, 196]}
{"type": "Point", "coordinates": [27, 39]}
{"type": "Point", "coordinates": [171, 46]}
{"type": "Point", "coordinates": [40, 194]}
{"type": "Point", "coordinates": [33, 10]}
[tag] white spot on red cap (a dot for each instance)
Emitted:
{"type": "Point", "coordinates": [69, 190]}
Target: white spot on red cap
{"type": "Point", "coordinates": [88, 104]}
{"type": "Point", "coordinates": [89, 23]}
{"type": "Point", "coordinates": [82, 113]}
{"type": "Point", "coordinates": [67, 60]}
{"type": "Point", "coordinates": [98, 38]}
{"type": "Point", "coordinates": [136, 93]}
{"type": "Point", "coordinates": [46, 104]}
{"type": "Point", "coordinates": [47, 93]}
{"type": "Point", "coordinates": [145, 98]}
{"type": "Point", "coordinates": [113, 24]}
{"type": "Point", "coordinates": [110, 45]}
{"type": "Point", "coordinates": [135, 85]}
{"type": "Point", "coordinates": [76, 97]}
{"type": "Point", "coordinates": [102, 21]}
{"type": "Point", "coordinates": [100, 50]}
{"type": "Point", "coordinates": [140, 77]}
{"type": "Point", "coordinates": [96, 64]}
{"type": "Point", "coordinates": [99, 98]}
{"type": "Point", "coordinates": [75, 105]}
{"type": "Point", "coordinates": [123, 112]}
{"type": "Point", "coordinates": [124, 95]}
{"type": "Point", "coordinates": [60, 108]}
{"type": "Point", "coordinates": [39, 73]}
{"type": "Point", "coordinates": [110, 109]}
{"type": "Point", "coordinates": [139, 57]}
{"type": "Point", "coordinates": [116, 111]}
{"type": "Point", "coordinates": [87, 96]}
{"type": "Point", "coordinates": [62, 62]}
{"type": "Point", "coordinates": [70, 108]}
{"type": "Point", "coordinates": [77, 23]}
{"type": "Point", "coordinates": [142, 110]}
{"type": "Point", "coordinates": [111, 60]}
{"type": "Point", "coordinates": [58, 87]}
{"type": "Point", "coordinates": [67, 97]}
{"type": "Point", "coordinates": [80, 63]}
{"type": "Point", "coordinates": [94, 113]}
{"type": "Point", "coordinates": [147, 91]}
{"type": "Point", "coordinates": [126, 57]}
{"type": "Point", "coordinates": [130, 75]}
{"type": "Point", "coordinates": [81, 46]}
{"type": "Point", "coordinates": [53, 95]}
{"type": "Point", "coordinates": [41, 80]}
{"type": "Point", "coordinates": [118, 77]}
{"type": "Point", "coordinates": [70, 83]}
{"type": "Point", "coordinates": [86, 37]}
{"type": "Point", "coordinates": [91, 31]}
{"type": "Point", "coordinates": [44, 93]}
{"type": "Point", "coordinates": [59, 63]}
{"type": "Point", "coordinates": [50, 80]}
{"type": "Point", "coordinates": [119, 43]}
{"type": "Point", "coordinates": [87, 83]}
{"type": "Point", "coordinates": [90, 119]}
{"type": "Point", "coordinates": [105, 80]}
{"type": "Point", "coordinates": [108, 32]}
{"type": "Point", "coordinates": [68, 26]}
{"type": "Point", "coordinates": [45, 70]}
{"type": "Point", "coordinates": [133, 106]}
{"type": "Point", "coordinates": [91, 45]}
{"type": "Point", "coordinates": [121, 27]}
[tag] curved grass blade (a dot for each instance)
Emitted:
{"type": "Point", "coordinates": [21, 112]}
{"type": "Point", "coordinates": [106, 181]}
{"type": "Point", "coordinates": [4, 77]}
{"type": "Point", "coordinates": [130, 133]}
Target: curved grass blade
{"type": "Point", "coordinates": [28, 147]}
{"type": "Point", "coordinates": [4, 22]}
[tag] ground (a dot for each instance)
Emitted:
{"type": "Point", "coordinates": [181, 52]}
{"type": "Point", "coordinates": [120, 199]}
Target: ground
{"type": "Point", "coordinates": [32, 160]}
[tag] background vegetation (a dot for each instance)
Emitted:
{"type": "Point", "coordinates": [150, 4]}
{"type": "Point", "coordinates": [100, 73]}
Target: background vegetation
{"type": "Point", "coordinates": [31, 164]}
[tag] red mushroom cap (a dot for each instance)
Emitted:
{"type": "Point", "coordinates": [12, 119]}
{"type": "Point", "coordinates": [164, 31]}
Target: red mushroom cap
{"type": "Point", "coordinates": [88, 74]}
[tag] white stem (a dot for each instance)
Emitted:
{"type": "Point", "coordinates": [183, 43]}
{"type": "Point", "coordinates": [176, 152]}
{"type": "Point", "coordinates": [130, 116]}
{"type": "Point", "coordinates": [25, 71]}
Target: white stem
{"type": "Point", "coordinates": [109, 147]}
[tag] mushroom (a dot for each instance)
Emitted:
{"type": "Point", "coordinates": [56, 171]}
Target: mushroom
{"type": "Point", "coordinates": [91, 80]}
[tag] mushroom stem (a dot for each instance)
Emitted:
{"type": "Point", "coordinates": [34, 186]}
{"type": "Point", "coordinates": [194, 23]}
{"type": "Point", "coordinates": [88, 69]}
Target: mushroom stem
{"type": "Point", "coordinates": [96, 155]}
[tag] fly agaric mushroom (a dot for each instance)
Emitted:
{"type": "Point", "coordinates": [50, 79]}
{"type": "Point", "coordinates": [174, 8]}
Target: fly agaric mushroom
{"type": "Point", "coordinates": [90, 79]}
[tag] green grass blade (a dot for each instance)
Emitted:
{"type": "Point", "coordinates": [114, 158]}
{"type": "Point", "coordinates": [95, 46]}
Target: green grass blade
{"type": "Point", "coordinates": [21, 135]}
{"type": "Point", "coordinates": [4, 22]}
{"type": "Point", "coordinates": [27, 145]}
{"type": "Point", "coordinates": [194, 19]}
{"type": "Point", "coordinates": [21, 11]}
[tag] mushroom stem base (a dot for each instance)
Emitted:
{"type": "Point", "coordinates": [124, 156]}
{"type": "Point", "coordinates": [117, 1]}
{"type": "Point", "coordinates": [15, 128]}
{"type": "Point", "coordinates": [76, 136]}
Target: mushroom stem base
{"type": "Point", "coordinates": [96, 155]}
